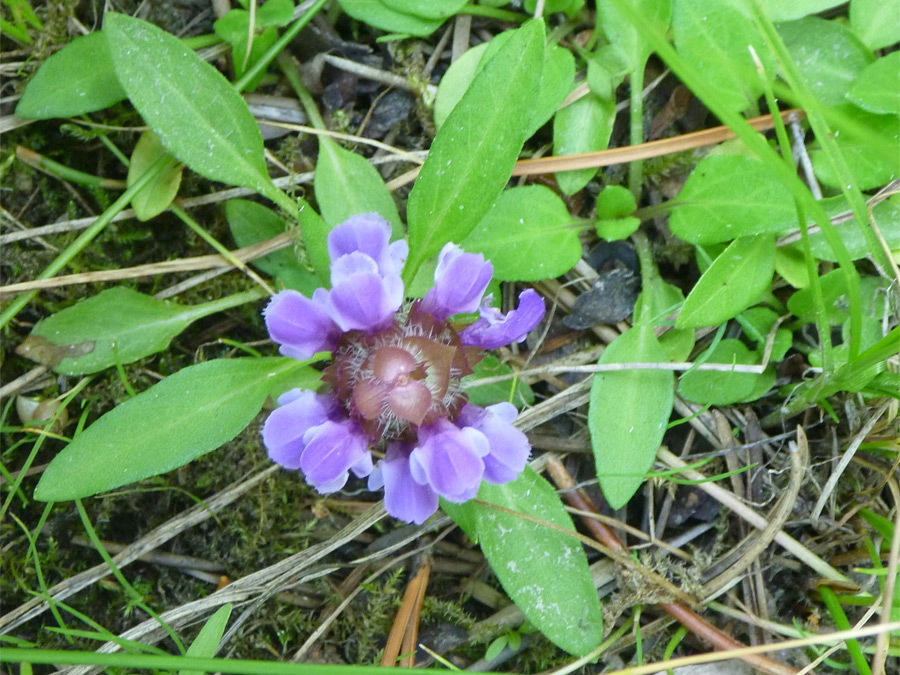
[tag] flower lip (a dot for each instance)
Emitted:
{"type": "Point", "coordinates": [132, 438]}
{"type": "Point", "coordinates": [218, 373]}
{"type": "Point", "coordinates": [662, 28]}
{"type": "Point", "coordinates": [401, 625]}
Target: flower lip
{"type": "Point", "coordinates": [495, 329]}
{"type": "Point", "coordinates": [460, 280]}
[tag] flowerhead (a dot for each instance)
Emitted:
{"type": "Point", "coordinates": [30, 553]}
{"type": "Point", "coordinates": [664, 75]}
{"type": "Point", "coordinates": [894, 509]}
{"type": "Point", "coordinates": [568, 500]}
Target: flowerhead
{"type": "Point", "coordinates": [393, 386]}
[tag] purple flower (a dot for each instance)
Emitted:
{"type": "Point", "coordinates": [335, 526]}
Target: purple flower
{"type": "Point", "coordinates": [509, 448]}
{"type": "Point", "coordinates": [301, 326]}
{"type": "Point", "coordinates": [459, 283]}
{"type": "Point", "coordinates": [395, 378]}
{"type": "Point", "coordinates": [361, 298]}
{"type": "Point", "coordinates": [404, 498]}
{"type": "Point", "coordinates": [368, 233]}
{"type": "Point", "coordinates": [495, 329]}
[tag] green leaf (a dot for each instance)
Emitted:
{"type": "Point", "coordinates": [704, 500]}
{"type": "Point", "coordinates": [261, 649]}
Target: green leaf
{"type": "Point", "coordinates": [252, 223]}
{"type": "Point", "coordinates": [621, 32]}
{"type": "Point", "coordinates": [713, 387]}
{"type": "Point", "coordinates": [876, 22]}
{"type": "Point", "coordinates": [886, 214]}
{"type": "Point", "coordinates": [175, 421]}
{"type": "Point", "coordinates": [346, 184]}
{"type": "Point", "coordinates": [473, 155]}
{"type": "Point", "coordinates": [544, 571]}
{"type": "Point", "coordinates": [455, 82]}
{"type": "Point", "coordinates": [582, 126]}
{"type": "Point", "coordinates": [628, 413]}
{"type": "Point", "coordinates": [434, 9]}
{"type": "Point", "coordinates": [870, 168]}
{"type": "Point", "coordinates": [875, 89]}
{"type": "Point", "coordinates": [123, 326]}
{"type": "Point", "coordinates": [655, 303]}
{"type": "Point", "coordinates": [207, 641]}
{"type": "Point", "coordinates": [606, 70]}
{"type": "Point", "coordinates": [758, 323]}
{"type": "Point", "coordinates": [731, 196]}
{"type": "Point", "coordinates": [78, 79]}
{"type": "Point", "coordinates": [528, 235]}
{"type": "Point", "coordinates": [213, 133]}
{"type": "Point", "coordinates": [556, 80]}
{"type": "Point", "coordinates": [315, 239]}
{"type": "Point", "coordinates": [732, 283]}
{"type": "Point", "coordinates": [828, 72]}
{"type": "Point", "coordinates": [513, 390]}
{"type": "Point", "coordinates": [157, 195]}
{"type": "Point", "coordinates": [376, 13]}
{"type": "Point", "coordinates": [713, 36]}
{"type": "Point", "coordinates": [614, 207]}
{"type": "Point", "coordinates": [494, 649]}
{"type": "Point", "coordinates": [779, 10]}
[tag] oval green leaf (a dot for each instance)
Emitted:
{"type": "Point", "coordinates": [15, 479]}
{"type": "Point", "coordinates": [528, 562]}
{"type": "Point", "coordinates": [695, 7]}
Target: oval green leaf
{"type": "Point", "coordinates": [78, 79]}
{"type": "Point", "coordinates": [628, 413]}
{"type": "Point", "coordinates": [157, 195]}
{"type": "Point", "coordinates": [378, 14]}
{"type": "Point", "coordinates": [731, 196]}
{"type": "Point", "coordinates": [714, 387]}
{"type": "Point", "coordinates": [196, 113]}
{"type": "Point", "coordinates": [876, 88]}
{"type": "Point", "coordinates": [473, 155]}
{"type": "Point", "coordinates": [543, 570]}
{"type": "Point", "coordinates": [346, 184]}
{"type": "Point", "coordinates": [732, 283]}
{"type": "Point", "coordinates": [876, 22]}
{"type": "Point", "coordinates": [183, 417]}
{"type": "Point", "coordinates": [583, 126]}
{"type": "Point", "coordinates": [713, 36]}
{"type": "Point", "coordinates": [120, 325]}
{"type": "Point", "coordinates": [828, 72]}
{"type": "Point", "coordinates": [528, 235]}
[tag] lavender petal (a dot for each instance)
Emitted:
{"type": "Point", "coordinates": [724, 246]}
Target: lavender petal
{"type": "Point", "coordinates": [365, 301]}
{"type": "Point", "coordinates": [332, 448]}
{"type": "Point", "coordinates": [368, 233]}
{"type": "Point", "coordinates": [460, 280]}
{"type": "Point", "coordinates": [283, 431]}
{"type": "Point", "coordinates": [495, 329]}
{"type": "Point", "coordinates": [449, 460]}
{"type": "Point", "coordinates": [404, 498]}
{"type": "Point", "coordinates": [300, 325]}
{"type": "Point", "coordinates": [509, 446]}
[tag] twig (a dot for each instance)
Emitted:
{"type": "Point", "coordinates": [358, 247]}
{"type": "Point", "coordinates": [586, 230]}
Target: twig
{"type": "Point", "coordinates": [22, 380]}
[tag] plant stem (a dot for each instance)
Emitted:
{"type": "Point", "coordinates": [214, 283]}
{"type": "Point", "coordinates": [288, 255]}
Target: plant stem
{"type": "Point", "coordinates": [290, 72]}
{"type": "Point", "coordinates": [41, 163]}
{"type": "Point", "coordinates": [86, 237]}
{"type": "Point", "coordinates": [494, 13]}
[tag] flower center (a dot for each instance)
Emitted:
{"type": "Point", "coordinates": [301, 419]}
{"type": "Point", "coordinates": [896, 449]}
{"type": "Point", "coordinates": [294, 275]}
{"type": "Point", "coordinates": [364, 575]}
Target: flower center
{"type": "Point", "coordinates": [400, 378]}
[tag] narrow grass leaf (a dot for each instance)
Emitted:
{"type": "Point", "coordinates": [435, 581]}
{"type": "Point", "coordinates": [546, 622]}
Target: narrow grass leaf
{"type": "Point", "coordinates": [252, 223]}
{"type": "Point", "coordinates": [544, 571]}
{"type": "Point", "coordinates": [207, 641]}
{"type": "Point", "coordinates": [346, 184]}
{"type": "Point", "coordinates": [177, 420]}
{"type": "Point", "coordinates": [78, 79]}
{"type": "Point", "coordinates": [732, 283]}
{"type": "Point", "coordinates": [731, 196]}
{"type": "Point", "coordinates": [196, 113]}
{"type": "Point", "coordinates": [157, 195]}
{"type": "Point", "coordinates": [528, 235]}
{"type": "Point", "coordinates": [118, 325]}
{"type": "Point", "coordinates": [628, 413]}
{"type": "Point", "coordinates": [473, 155]}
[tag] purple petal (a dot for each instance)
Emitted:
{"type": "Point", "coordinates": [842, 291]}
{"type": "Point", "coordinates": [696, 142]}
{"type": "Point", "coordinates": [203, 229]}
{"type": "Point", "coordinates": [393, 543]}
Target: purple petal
{"type": "Point", "coordinates": [283, 432]}
{"type": "Point", "coordinates": [368, 233]}
{"type": "Point", "coordinates": [459, 282]}
{"type": "Point", "coordinates": [346, 266]}
{"type": "Point", "coordinates": [495, 329]}
{"type": "Point", "coordinates": [404, 498]}
{"type": "Point", "coordinates": [300, 325]}
{"type": "Point", "coordinates": [332, 449]}
{"type": "Point", "coordinates": [365, 301]}
{"type": "Point", "coordinates": [449, 460]}
{"type": "Point", "coordinates": [509, 446]}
